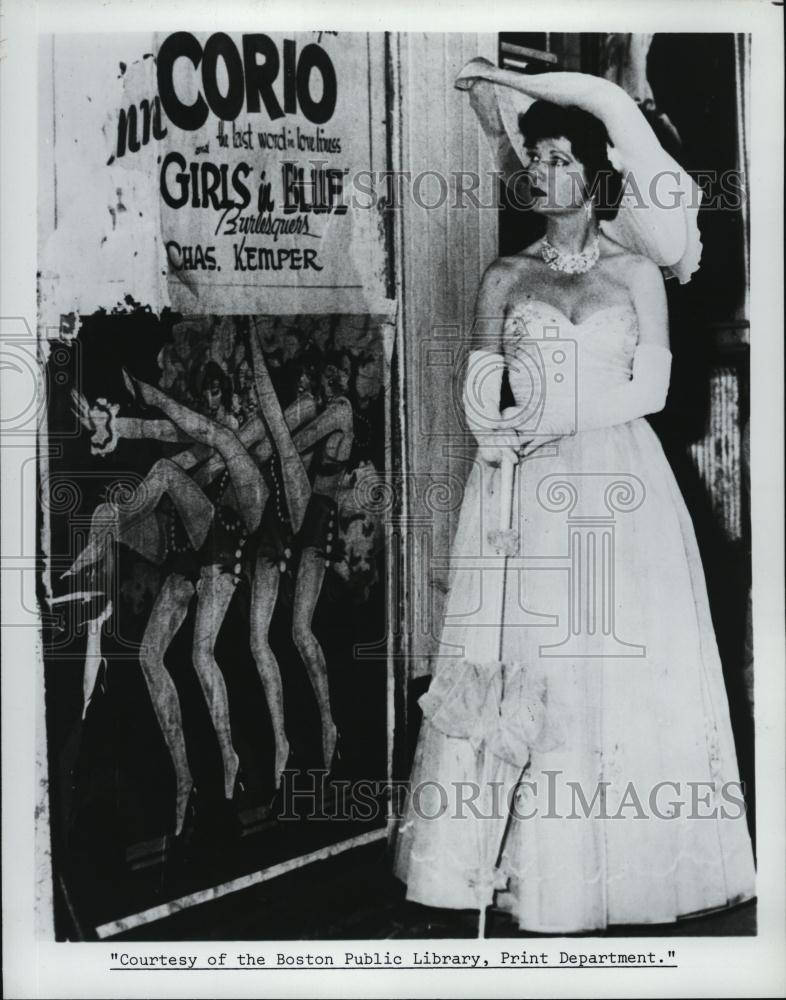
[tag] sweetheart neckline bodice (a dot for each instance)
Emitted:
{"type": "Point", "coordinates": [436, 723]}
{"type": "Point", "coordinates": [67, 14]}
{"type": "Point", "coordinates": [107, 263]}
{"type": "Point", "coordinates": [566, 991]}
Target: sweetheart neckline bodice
{"type": "Point", "coordinates": [524, 303]}
{"type": "Point", "coordinates": [601, 347]}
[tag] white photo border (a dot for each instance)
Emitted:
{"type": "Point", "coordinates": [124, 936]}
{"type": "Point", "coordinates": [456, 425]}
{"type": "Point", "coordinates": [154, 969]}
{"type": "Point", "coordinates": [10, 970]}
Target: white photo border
{"type": "Point", "coordinates": [35, 966]}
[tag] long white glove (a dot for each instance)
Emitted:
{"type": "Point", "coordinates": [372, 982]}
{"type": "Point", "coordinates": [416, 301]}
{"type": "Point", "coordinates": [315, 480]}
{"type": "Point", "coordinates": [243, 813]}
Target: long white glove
{"type": "Point", "coordinates": [481, 398]}
{"type": "Point", "coordinates": [644, 393]}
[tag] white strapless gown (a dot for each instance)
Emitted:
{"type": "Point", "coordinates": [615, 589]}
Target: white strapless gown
{"type": "Point", "coordinates": [612, 678]}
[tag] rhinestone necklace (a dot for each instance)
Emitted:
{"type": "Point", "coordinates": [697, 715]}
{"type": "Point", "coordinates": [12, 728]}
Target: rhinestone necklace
{"type": "Point", "coordinates": [571, 263]}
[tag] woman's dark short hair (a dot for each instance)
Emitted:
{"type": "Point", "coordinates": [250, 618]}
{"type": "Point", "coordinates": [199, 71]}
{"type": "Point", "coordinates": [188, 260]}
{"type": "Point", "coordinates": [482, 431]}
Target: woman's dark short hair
{"type": "Point", "coordinates": [588, 139]}
{"type": "Point", "coordinates": [211, 371]}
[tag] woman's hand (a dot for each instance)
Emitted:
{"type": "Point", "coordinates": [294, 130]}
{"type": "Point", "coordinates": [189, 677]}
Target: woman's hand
{"type": "Point", "coordinates": [526, 441]}
{"type": "Point", "coordinates": [496, 446]}
{"type": "Point", "coordinates": [100, 420]}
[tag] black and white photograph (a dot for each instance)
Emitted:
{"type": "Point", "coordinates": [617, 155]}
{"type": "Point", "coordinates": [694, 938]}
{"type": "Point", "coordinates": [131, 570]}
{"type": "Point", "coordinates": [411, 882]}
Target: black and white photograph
{"type": "Point", "coordinates": [392, 446]}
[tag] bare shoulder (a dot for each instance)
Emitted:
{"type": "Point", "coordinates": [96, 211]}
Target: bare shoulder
{"type": "Point", "coordinates": [509, 269]}
{"type": "Point", "coordinates": [497, 278]}
{"type": "Point", "coordinates": [500, 270]}
{"type": "Point", "coordinates": [643, 281]}
{"type": "Point", "coordinates": [635, 270]}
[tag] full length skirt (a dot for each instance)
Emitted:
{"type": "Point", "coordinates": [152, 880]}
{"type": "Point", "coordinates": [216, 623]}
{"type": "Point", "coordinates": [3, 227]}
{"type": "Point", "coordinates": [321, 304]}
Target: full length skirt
{"type": "Point", "coordinates": [599, 653]}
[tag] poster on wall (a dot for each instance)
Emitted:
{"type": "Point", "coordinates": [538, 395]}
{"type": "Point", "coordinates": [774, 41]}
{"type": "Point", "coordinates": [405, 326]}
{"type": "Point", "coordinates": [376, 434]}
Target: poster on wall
{"type": "Point", "coordinates": [231, 171]}
{"type": "Point", "coordinates": [214, 310]}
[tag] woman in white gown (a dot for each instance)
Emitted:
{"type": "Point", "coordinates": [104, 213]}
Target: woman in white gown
{"type": "Point", "coordinates": [600, 700]}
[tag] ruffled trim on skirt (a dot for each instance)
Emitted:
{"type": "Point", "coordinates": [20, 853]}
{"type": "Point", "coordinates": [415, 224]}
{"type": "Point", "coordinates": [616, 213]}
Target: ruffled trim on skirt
{"type": "Point", "coordinates": [500, 706]}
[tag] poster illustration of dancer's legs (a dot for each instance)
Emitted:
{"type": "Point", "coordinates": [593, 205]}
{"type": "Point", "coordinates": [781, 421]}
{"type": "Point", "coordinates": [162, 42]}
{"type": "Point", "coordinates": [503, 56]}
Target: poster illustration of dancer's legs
{"type": "Point", "coordinates": [213, 574]}
{"type": "Point", "coordinates": [217, 442]}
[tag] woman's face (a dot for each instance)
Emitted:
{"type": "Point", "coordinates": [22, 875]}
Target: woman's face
{"type": "Point", "coordinates": [557, 179]}
{"type": "Point", "coordinates": [211, 396]}
{"type": "Point", "coordinates": [335, 381]}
